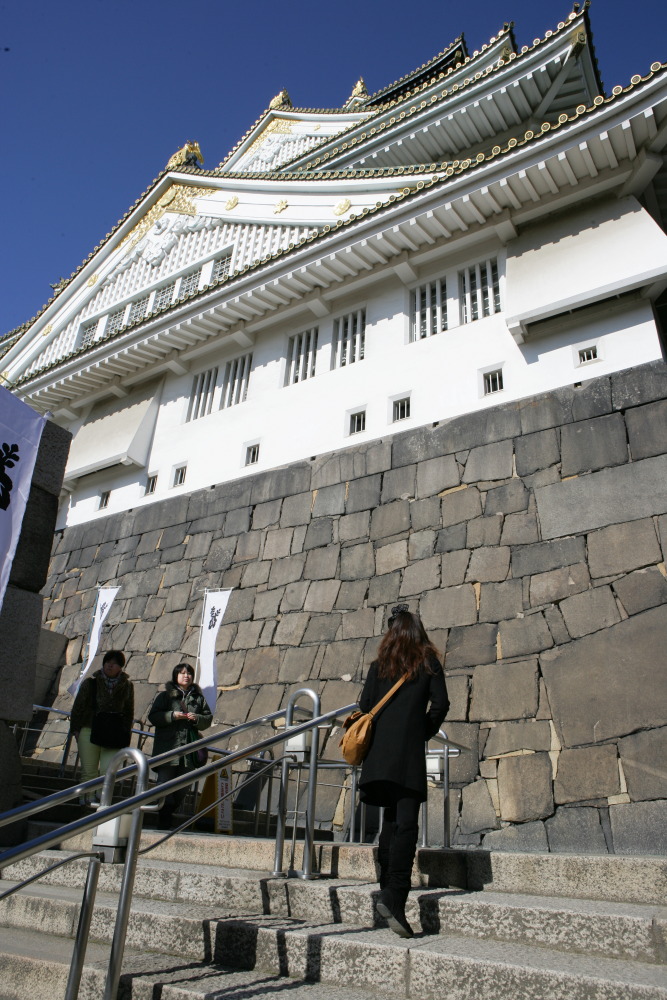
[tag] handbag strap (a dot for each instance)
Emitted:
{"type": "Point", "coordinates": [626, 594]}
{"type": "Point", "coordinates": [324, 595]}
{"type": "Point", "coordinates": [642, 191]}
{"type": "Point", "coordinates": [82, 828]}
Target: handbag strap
{"type": "Point", "coordinates": [386, 698]}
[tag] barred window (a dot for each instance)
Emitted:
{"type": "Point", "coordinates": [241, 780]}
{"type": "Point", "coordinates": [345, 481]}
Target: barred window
{"type": "Point", "coordinates": [104, 499]}
{"type": "Point", "coordinates": [138, 309]}
{"type": "Point", "coordinates": [221, 267]}
{"type": "Point", "coordinates": [235, 382]}
{"type": "Point", "coordinates": [88, 334]}
{"type": "Point", "coordinates": [151, 485]}
{"type": "Point", "coordinates": [349, 339]}
{"type": "Point", "coordinates": [115, 321]}
{"type": "Point", "coordinates": [493, 381]}
{"type": "Point", "coordinates": [588, 354]}
{"type": "Point", "coordinates": [301, 356]}
{"type": "Point", "coordinates": [358, 422]}
{"type": "Point", "coordinates": [164, 295]}
{"type": "Point", "coordinates": [201, 397]}
{"type": "Point", "coordinates": [479, 290]}
{"type": "Point", "coordinates": [190, 282]}
{"type": "Point", "coordinates": [252, 454]}
{"type": "Point", "coordinates": [401, 409]}
{"type": "Point", "coordinates": [428, 309]}
{"type": "Point", "coordinates": [179, 475]}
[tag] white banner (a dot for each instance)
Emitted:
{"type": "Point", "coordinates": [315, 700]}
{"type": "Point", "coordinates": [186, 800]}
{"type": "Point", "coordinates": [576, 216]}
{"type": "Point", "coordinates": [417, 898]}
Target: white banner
{"type": "Point", "coordinates": [20, 433]}
{"type": "Point", "coordinates": [215, 604]}
{"type": "Point", "coordinates": [105, 597]}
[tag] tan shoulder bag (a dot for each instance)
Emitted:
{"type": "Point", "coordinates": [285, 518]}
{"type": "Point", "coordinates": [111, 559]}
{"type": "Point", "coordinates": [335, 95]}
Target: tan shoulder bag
{"type": "Point", "coordinates": [359, 727]}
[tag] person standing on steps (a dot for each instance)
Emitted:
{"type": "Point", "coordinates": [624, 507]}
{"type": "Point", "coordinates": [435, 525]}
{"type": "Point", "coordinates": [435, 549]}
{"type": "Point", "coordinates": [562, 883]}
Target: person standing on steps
{"type": "Point", "coordinates": [179, 713]}
{"type": "Point", "coordinates": [393, 774]}
{"type": "Point", "coordinates": [102, 716]}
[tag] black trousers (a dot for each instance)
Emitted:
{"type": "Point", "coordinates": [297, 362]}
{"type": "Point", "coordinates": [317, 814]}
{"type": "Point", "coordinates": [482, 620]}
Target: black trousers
{"type": "Point", "coordinates": [397, 845]}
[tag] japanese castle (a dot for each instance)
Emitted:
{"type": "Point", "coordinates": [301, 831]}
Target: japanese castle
{"type": "Point", "coordinates": [488, 227]}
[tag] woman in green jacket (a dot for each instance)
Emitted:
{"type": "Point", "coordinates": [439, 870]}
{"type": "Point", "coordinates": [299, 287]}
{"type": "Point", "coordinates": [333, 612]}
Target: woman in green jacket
{"type": "Point", "coordinates": [179, 713]}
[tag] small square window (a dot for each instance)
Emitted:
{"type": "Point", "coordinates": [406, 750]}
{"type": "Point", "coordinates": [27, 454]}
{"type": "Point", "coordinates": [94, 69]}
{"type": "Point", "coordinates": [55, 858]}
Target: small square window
{"type": "Point", "coordinates": [179, 475]}
{"type": "Point", "coordinates": [104, 499]}
{"type": "Point", "coordinates": [588, 354]}
{"type": "Point", "coordinates": [151, 485]}
{"type": "Point", "coordinates": [358, 422]}
{"type": "Point", "coordinates": [252, 454]}
{"type": "Point", "coordinates": [493, 381]}
{"type": "Point", "coordinates": [401, 409]}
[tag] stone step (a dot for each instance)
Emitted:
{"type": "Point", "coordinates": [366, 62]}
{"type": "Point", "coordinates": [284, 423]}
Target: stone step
{"type": "Point", "coordinates": [616, 878]}
{"type": "Point", "coordinates": [428, 967]}
{"type": "Point", "coordinates": [615, 930]}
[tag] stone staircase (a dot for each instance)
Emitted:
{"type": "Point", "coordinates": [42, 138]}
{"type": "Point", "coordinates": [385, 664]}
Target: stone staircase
{"type": "Point", "coordinates": [209, 922]}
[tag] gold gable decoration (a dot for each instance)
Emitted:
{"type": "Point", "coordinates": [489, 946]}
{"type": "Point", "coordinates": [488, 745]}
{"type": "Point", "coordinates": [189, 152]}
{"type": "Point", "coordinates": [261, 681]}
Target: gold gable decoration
{"type": "Point", "coordinates": [179, 198]}
{"type": "Point", "coordinates": [186, 156]}
{"type": "Point", "coordinates": [359, 94]}
{"type": "Point", "coordinates": [281, 100]}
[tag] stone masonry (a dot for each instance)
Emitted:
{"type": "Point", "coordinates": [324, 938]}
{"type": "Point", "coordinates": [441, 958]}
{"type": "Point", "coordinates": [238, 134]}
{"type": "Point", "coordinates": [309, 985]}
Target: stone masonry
{"type": "Point", "coordinates": [531, 538]}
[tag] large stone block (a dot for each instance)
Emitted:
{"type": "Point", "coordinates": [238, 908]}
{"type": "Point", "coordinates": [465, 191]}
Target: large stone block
{"type": "Point", "coordinates": [425, 513]}
{"type": "Point", "coordinates": [391, 519]}
{"type": "Point", "coordinates": [454, 567]}
{"type": "Point", "coordinates": [528, 560]}
{"type": "Point", "coordinates": [294, 596]}
{"type": "Point", "coordinates": [504, 691]}
{"type": "Point", "coordinates": [319, 532]}
{"type": "Point", "coordinates": [509, 737]}
{"type": "Point", "coordinates": [484, 531]}
{"type": "Point", "coordinates": [330, 500]}
{"type": "Point", "coordinates": [321, 563]}
{"type": "Point", "coordinates": [421, 576]}
{"type": "Point", "coordinates": [626, 493]}
{"type": "Point", "coordinates": [558, 583]}
{"type": "Point", "coordinates": [623, 547]}
{"type": "Point", "coordinates": [240, 605]}
{"type": "Point", "coordinates": [363, 494]}
{"type": "Point", "coordinates": [461, 505]}
{"type": "Point", "coordinates": [475, 429]}
{"type": "Point", "coordinates": [357, 562]}
{"type": "Point", "coordinates": [266, 514]}
{"type": "Point", "coordinates": [384, 589]}
{"type": "Point", "coordinates": [490, 461]}
{"type": "Point", "coordinates": [291, 628]}
{"type": "Point", "coordinates": [611, 683]}
{"type": "Point", "coordinates": [322, 595]}
{"type": "Point", "coordinates": [468, 647]}
{"type": "Point", "coordinates": [639, 827]}
{"type": "Point", "coordinates": [521, 636]}
{"type": "Point", "coordinates": [489, 564]}
{"type": "Point", "coordinates": [342, 659]}
{"type": "Point", "coordinates": [646, 588]}
{"type": "Point", "coordinates": [220, 555]}
{"type": "Point", "coordinates": [593, 444]}
{"type": "Point", "coordinates": [322, 628]}
{"type": "Point", "coordinates": [451, 539]}
{"type": "Point", "coordinates": [398, 483]}
{"type": "Point", "coordinates": [262, 666]}
{"type": "Point", "coordinates": [519, 529]}
{"type": "Point", "coordinates": [277, 544]}
{"type": "Point", "coordinates": [589, 611]}
{"type": "Point", "coordinates": [279, 483]}
{"type": "Point", "coordinates": [449, 606]}
{"type": "Point", "coordinates": [500, 600]}
{"type": "Point", "coordinates": [458, 691]}
{"type": "Point", "coordinates": [528, 838]}
{"type": "Point", "coordinates": [587, 773]}
{"type": "Point", "coordinates": [296, 510]}
{"type": "Point", "coordinates": [351, 595]}
{"type": "Point", "coordinates": [524, 787]}
{"type": "Point", "coordinates": [547, 410]}
{"type": "Point", "coordinates": [646, 429]}
{"type": "Point", "coordinates": [286, 570]}
{"type": "Point", "coordinates": [359, 624]}
{"type": "Point", "coordinates": [639, 385]}
{"type": "Point", "coordinates": [297, 664]}
{"type": "Point", "coordinates": [536, 451]}
{"type": "Point", "coordinates": [464, 768]}
{"type": "Point", "coordinates": [169, 636]}
{"type": "Point", "coordinates": [644, 759]}
{"type": "Point", "coordinates": [477, 811]}
{"type": "Point", "coordinates": [437, 474]}
{"type": "Point", "coordinates": [391, 557]}
{"type": "Point", "coordinates": [508, 499]}
{"type": "Point", "coordinates": [421, 544]}
{"type": "Point", "coordinates": [354, 527]}
{"type": "Point", "coordinates": [576, 831]}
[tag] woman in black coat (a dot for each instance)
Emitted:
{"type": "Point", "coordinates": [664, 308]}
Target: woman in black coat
{"type": "Point", "coordinates": [394, 770]}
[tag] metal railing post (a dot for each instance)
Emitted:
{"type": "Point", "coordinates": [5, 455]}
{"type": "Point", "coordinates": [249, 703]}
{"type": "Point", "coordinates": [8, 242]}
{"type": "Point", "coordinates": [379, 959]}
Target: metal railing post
{"type": "Point", "coordinates": [125, 896]}
{"type": "Point", "coordinates": [312, 791]}
{"type": "Point", "coordinates": [445, 798]}
{"type": "Point", "coordinates": [83, 930]}
{"type": "Point", "coordinates": [353, 811]}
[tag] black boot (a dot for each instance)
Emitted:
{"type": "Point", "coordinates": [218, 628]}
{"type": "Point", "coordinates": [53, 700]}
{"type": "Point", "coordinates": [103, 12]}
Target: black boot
{"type": "Point", "coordinates": [392, 908]}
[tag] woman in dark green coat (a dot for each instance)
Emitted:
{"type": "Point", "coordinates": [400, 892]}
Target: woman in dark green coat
{"type": "Point", "coordinates": [179, 713]}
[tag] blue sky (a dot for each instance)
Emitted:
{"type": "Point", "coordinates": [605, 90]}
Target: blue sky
{"type": "Point", "coordinates": [98, 94]}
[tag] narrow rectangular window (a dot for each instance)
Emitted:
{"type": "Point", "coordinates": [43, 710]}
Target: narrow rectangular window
{"type": "Point", "coordinates": [104, 499]}
{"type": "Point", "coordinates": [358, 422]}
{"type": "Point", "coordinates": [301, 353]}
{"type": "Point", "coordinates": [401, 409]}
{"type": "Point", "coordinates": [164, 295]}
{"type": "Point", "coordinates": [88, 334]}
{"type": "Point", "coordinates": [428, 309]}
{"type": "Point", "coordinates": [201, 397]}
{"type": "Point", "coordinates": [235, 382]}
{"type": "Point", "coordinates": [479, 291]}
{"type": "Point", "coordinates": [190, 282]}
{"type": "Point", "coordinates": [151, 485]}
{"type": "Point", "coordinates": [349, 339]}
{"type": "Point", "coordinates": [179, 475]}
{"type": "Point", "coordinates": [138, 309]}
{"type": "Point", "coordinates": [252, 454]}
{"type": "Point", "coordinates": [588, 354]}
{"type": "Point", "coordinates": [115, 321]}
{"type": "Point", "coordinates": [493, 381]}
{"type": "Point", "coordinates": [221, 268]}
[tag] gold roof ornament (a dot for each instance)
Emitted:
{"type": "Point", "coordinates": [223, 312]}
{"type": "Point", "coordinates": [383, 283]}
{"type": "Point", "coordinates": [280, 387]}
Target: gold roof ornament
{"type": "Point", "coordinates": [359, 94]}
{"type": "Point", "coordinates": [281, 100]}
{"type": "Point", "coordinates": [188, 155]}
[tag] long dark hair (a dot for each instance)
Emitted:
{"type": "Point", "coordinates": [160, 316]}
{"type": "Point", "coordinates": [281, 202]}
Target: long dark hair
{"type": "Point", "coordinates": [405, 648]}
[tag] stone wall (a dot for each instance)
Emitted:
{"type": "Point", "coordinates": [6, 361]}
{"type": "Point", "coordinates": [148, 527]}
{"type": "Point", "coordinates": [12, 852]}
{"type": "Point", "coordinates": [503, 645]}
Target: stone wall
{"type": "Point", "coordinates": [530, 537]}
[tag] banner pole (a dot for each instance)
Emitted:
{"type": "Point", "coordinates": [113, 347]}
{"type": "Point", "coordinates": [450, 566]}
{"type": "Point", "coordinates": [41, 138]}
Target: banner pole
{"type": "Point", "coordinates": [201, 632]}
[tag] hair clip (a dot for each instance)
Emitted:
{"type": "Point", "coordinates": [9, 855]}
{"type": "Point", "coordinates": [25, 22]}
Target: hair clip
{"type": "Point", "coordinates": [398, 610]}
